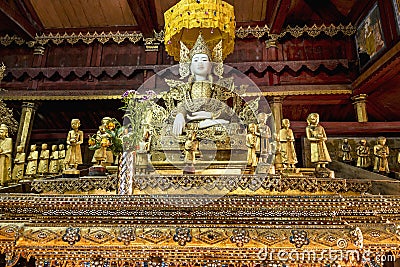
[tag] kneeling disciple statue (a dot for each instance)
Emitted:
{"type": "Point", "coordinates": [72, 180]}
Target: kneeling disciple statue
{"type": "Point", "coordinates": [5, 155]}
{"type": "Point", "coordinates": [317, 137]}
{"type": "Point", "coordinates": [381, 153]}
{"type": "Point", "coordinates": [286, 140]}
{"type": "Point", "coordinates": [19, 161]}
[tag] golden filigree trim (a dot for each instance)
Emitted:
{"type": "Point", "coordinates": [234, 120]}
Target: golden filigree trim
{"type": "Point", "coordinates": [315, 30]}
{"type": "Point", "coordinates": [60, 97]}
{"type": "Point", "coordinates": [135, 37]}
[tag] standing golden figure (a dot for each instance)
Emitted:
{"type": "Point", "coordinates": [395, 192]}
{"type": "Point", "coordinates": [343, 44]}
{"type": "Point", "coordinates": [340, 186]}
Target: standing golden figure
{"type": "Point", "coordinates": [19, 161]}
{"type": "Point", "coordinates": [381, 153]}
{"type": "Point", "coordinates": [191, 147]}
{"type": "Point", "coordinates": [143, 153]}
{"type": "Point", "coordinates": [61, 157]}
{"type": "Point", "coordinates": [362, 151]}
{"type": "Point", "coordinates": [54, 161]}
{"type": "Point", "coordinates": [317, 137]}
{"type": "Point", "coordinates": [5, 155]}
{"type": "Point", "coordinates": [265, 134]}
{"type": "Point", "coordinates": [31, 168]}
{"type": "Point", "coordinates": [253, 144]}
{"type": "Point", "coordinates": [74, 141]}
{"type": "Point", "coordinates": [346, 150]}
{"type": "Point", "coordinates": [44, 157]}
{"type": "Point", "coordinates": [286, 140]}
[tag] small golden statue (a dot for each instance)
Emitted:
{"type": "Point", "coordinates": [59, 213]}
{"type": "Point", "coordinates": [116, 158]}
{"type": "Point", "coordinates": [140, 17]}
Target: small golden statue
{"type": "Point", "coordinates": [100, 154]}
{"type": "Point", "coordinates": [317, 137]}
{"type": "Point", "coordinates": [5, 155]}
{"type": "Point", "coordinates": [61, 157]}
{"type": "Point", "coordinates": [253, 144]}
{"type": "Point", "coordinates": [346, 150]}
{"type": "Point", "coordinates": [103, 156]}
{"type": "Point", "coordinates": [54, 160]}
{"type": "Point", "coordinates": [31, 168]}
{"type": "Point", "coordinates": [381, 153]}
{"type": "Point", "coordinates": [362, 151]}
{"type": "Point", "coordinates": [265, 134]}
{"type": "Point", "coordinates": [191, 147]}
{"type": "Point", "coordinates": [143, 153]}
{"type": "Point", "coordinates": [44, 157]}
{"type": "Point", "coordinates": [19, 161]}
{"type": "Point", "coordinates": [286, 140]}
{"type": "Point", "coordinates": [74, 140]}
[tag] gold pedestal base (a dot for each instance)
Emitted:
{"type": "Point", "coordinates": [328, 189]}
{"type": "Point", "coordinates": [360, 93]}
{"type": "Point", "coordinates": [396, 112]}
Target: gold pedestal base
{"type": "Point", "coordinates": [71, 173]}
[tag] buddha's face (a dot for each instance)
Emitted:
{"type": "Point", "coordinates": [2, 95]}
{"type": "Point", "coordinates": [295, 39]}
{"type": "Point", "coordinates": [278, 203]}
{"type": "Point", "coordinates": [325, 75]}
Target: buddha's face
{"type": "Point", "coordinates": [200, 65]}
{"type": "Point", "coordinates": [2, 134]}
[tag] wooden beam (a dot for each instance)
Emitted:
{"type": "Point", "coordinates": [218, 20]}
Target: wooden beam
{"type": "Point", "coordinates": [145, 15]}
{"type": "Point", "coordinates": [27, 8]}
{"type": "Point", "coordinates": [278, 17]}
{"type": "Point", "coordinates": [360, 8]}
{"type": "Point", "coordinates": [350, 128]}
{"type": "Point", "coordinates": [327, 11]}
{"type": "Point", "coordinates": [381, 70]}
{"type": "Point", "coordinates": [24, 25]}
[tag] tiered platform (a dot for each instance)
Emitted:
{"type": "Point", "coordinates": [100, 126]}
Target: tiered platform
{"type": "Point", "coordinates": [199, 230]}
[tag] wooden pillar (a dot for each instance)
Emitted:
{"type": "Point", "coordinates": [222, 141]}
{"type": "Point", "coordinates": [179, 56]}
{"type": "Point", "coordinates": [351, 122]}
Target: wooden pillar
{"type": "Point", "coordinates": [360, 106]}
{"type": "Point", "coordinates": [272, 47]}
{"type": "Point", "coordinates": [275, 104]}
{"type": "Point", "coordinates": [25, 125]}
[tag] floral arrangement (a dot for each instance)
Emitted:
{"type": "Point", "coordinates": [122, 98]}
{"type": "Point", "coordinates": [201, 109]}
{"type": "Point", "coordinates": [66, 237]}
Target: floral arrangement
{"type": "Point", "coordinates": [136, 107]}
{"type": "Point", "coordinates": [108, 136]}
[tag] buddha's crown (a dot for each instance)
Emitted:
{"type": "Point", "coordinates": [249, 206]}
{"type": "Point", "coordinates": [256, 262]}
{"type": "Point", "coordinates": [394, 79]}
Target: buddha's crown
{"type": "Point", "coordinates": [200, 47]}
